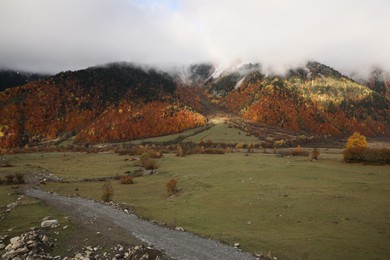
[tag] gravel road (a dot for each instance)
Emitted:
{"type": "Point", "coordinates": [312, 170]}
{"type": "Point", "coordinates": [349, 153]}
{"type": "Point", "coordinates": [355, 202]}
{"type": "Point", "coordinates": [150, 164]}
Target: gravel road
{"type": "Point", "coordinates": [176, 244]}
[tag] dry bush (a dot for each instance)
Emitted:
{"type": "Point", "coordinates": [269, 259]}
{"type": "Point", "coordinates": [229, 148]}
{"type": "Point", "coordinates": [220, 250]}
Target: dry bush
{"type": "Point", "coordinates": [354, 154]}
{"type": "Point", "coordinates": [209, 143]}
{"type": "Point", "coordinates": [126, 179]}
{"type": "Point", "coordinates": [9, 178]}
{"type": "Point", "coordinates": [179, 150]}
{"type": "Point", "coordinates": [315, 154]}
{"type": "Point", "coordinates": [377, 155]}
{"type": "Point", "coordinates": [240, 146]}
{"type": "Point", "coordinates": [125, 151]}
{"type": "Point", "coordinates": [108, 192]}
{"type": "Point", "coordinates": [148, 163]}
{"type": "Point", "coordinates": [283, 152]}
{"type": "Point", "coordinates": [213, 151]}
{"type": "Point", "coordinates": [19, 178]}
{"type": "Point", "coordinates": [153, 153]}
{"type": "Point", "coordinates": [171, 187]}
{"type": "Point", "coordinates": [184, 149]}
{"type": "Point", "coordinates": [299, 151]}
{"type": "Point", "coordinates": [367, 155]}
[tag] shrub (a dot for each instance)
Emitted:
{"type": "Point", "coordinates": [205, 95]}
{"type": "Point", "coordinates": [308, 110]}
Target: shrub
{"type": "Point", "coordinates": [240, 146]}
{"type": "Point", "coordinates": [19, 178]}
{"type": "Point", "coordinates": [126, 179]}
{"type": "Point", "coordinates": [183, 149]}
{"type": "Point", "coordinates": [9, 178]}
{"type": "Point", "coordinates": [171, 187]}
{"type": "Point", "coordinates": [153, 153]}
{"type": "Point", "coordinates": [356, 147]}
{"type": "Point", "coordinates": [378, 155]}
{"type": "Point", "coordinates": [148, 163]}
{"type": "Point", "coordinates": [213, 151]}
{"type": "Point", "coordinates": [179, 150]}
{"type": "Point", "coordinates": [356, 140]}
{"type": "Point", "coordinates": [108, 192]}
{"type": "Point", "coordinates": [354, 154]}
{"type": "Point", "coordinates": [367, 155]}
{"type": "Point", "coordinates": [298, 151]}
{"type": "Point", "coordinates": [315, 154]}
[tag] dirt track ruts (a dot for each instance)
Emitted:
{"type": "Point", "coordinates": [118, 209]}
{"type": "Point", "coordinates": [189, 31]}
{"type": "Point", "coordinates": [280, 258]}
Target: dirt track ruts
{"type": "Point", "coordinates": [176, 244]}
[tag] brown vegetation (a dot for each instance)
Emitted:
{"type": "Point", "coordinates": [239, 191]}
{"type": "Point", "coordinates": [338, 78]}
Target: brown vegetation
{"type": "Point", "coordinates": [125, 179]}
{"type": "Point", "coordinates": [171, 188]}
{"type": "Point", "coordinates": [108, 192]}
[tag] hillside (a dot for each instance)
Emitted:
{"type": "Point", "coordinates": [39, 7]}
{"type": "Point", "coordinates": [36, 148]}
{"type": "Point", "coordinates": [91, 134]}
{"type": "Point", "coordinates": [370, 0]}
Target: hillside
{"type": "Point", "coordinates": [314, 98]}
{"type": "Point", "coordinates": [117, 102]}
{"type": "Point", "coordinates": [122, 102]}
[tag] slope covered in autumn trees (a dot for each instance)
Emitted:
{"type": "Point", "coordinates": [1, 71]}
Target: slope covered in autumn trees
{"type": "Point", "coordinates": [122, 102]}
{"type": "Point", "coordinates": [314, 98]}
{"type": "Point", "coordinates": [117, 102]}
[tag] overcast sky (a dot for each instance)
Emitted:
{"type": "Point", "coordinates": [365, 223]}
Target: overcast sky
{"type": "Point", "coordinates": [56, 35]}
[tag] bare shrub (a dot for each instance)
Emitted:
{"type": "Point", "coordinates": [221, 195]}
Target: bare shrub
{"type": "Point", "coordinates": [126, 179]}
{"type": "Point", "coordinates": [183, 149]}
{"type": "Point", "coordinates": [171, 187]}
{"type": "Point", "coordinates": [354, 154]}
{"type": "Point", "coordinates": [213, 151]}
{"type": "Point", "coordinates": [108, 192]}
{"type": "Point", "coordinates": [19, 178]}
{"type": "Point", "coordinates": [367, 155]}
{"type": "Point", "coordinates": [377, 155]}
{"type": "Point", "coordinates": [148, 163]}
{"type": "Point", "coordinates": [9, 178]}
{"type": "Point", "coordinates": [315, 154]}
{"type": "Point", "coordinates": [299, 151]}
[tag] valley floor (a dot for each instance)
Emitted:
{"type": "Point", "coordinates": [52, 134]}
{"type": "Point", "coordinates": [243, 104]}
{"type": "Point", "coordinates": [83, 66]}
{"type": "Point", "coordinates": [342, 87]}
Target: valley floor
{"type": "Point", "coordinates": [291, 206]}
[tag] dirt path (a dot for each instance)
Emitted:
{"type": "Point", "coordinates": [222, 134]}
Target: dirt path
{"type": "Point", "coordinates": [176, 244]}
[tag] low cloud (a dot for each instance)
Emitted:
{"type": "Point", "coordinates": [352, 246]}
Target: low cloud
{"type": "Point", "coordinates": [55, 35]}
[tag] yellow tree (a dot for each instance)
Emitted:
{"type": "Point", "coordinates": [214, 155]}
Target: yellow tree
{"type": "Point", "coordinates": [356, 141]}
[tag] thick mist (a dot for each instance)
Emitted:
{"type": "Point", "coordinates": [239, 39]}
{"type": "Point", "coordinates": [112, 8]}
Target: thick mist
{"type": "Point", "coordinates": [55, 35]}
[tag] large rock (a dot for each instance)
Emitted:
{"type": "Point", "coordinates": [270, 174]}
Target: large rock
{"type": "Point", "coordinates": [49, 223]}
{"type": "Point", "coordinates": [14, 240]}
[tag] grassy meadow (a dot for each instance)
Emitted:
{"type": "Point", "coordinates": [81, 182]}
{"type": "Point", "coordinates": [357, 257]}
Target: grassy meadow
{"type": "Point", "coordinates": [222, 133]}
{"type": "Point", "coordinates": [291, 206]}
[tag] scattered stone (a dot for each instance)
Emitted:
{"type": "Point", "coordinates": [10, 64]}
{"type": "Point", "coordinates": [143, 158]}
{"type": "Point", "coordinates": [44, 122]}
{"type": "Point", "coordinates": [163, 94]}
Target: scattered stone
{"type": "Point", "coordinates": [14, 240]}
{"type": "Point", "coordinates": [179, 228]}
{"type": "Point", "coordinates": [49, 223]}
{"type": "Point", "coordinates": [45, 238]}
{"type": "Point", "coordinates": [29, 245]}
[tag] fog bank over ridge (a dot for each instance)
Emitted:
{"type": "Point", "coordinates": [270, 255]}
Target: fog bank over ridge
{"type": "Point", "coordinates": [51, 36]}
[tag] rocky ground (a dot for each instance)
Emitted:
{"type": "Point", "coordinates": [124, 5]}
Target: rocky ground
{"type": "Point", "coordinates": [116, 222]}
{"type": "Point", "coordinates": [35, 244]}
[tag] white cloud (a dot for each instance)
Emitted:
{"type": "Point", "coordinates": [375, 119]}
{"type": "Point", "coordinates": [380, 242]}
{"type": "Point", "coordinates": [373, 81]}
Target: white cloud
{"type": "Point", "coordinates": [54, 35]}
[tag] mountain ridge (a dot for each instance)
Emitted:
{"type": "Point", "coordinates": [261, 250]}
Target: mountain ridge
{"type": "Point", "coordinates": [121, 102]}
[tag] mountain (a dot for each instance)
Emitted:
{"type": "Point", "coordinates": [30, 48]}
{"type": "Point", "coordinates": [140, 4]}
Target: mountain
{"type": "Point", "coordinates": [314, 98]}
{"type": "Point", "coordinates": [117, 102]}
{"type": "Point", "coordinates": [121, 102]}
{"type": "Point", "coordinates": [11, 78]}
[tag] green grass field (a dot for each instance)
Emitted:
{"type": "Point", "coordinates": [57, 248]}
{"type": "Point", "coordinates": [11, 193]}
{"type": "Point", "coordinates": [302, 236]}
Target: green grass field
{"type": "Point", "coordinates": [222, 133]}
{"type": "Point", "coordinates": [293, 207]}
